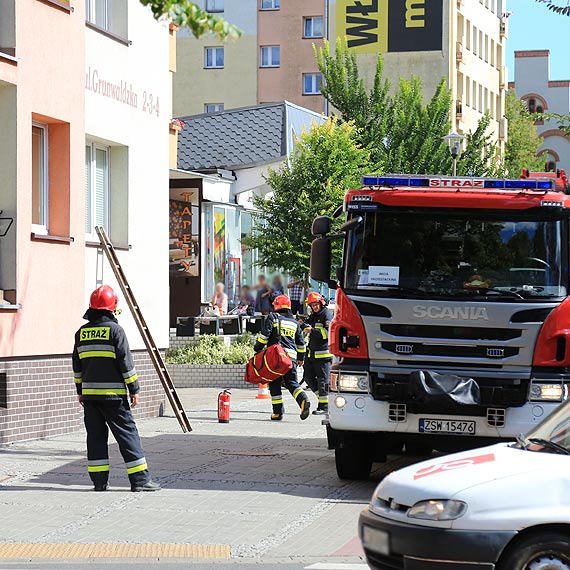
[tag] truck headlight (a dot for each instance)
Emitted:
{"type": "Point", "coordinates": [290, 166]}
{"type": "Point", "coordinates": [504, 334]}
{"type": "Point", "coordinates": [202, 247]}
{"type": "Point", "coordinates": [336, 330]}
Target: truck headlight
{"type": "Point", "coordinates": [353, 382]}
{"type": "Point", "coordinates": [438, 510]}
{"type": "Point", "coordinates": [546, 392]}
{"type": "Point", "coordinates": [334, 381]}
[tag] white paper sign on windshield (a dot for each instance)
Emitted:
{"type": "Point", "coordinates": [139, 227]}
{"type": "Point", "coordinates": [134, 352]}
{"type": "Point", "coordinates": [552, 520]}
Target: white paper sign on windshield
{"type": "Point", "coordinates": [383, 275]}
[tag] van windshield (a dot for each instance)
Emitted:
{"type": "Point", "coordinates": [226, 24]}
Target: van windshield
{"type": "Point", "coordinates": [508, 255]}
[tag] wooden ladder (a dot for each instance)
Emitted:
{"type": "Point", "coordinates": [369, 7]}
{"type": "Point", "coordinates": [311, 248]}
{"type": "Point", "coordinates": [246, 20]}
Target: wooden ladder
{"type": "Point", "coordinates": [153, 351]}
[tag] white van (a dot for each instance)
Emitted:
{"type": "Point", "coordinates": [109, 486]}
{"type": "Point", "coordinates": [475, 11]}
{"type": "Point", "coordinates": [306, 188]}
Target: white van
{"type": "Point", "coordinates": [503, 507]}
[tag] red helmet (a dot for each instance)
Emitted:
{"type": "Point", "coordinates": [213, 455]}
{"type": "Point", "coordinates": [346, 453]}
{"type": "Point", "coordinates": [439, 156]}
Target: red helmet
{"type": "Point", "coordinates": [103, 298]}
{"type": "Point", "coordinates": [315, 297]}
{"type": "Point", "coordinates": [282, 302]}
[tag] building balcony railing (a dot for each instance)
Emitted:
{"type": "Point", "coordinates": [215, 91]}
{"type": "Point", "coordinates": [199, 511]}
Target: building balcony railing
{"type": "Point", "coordinates": [459, 109]}
{"type": "Point", "coordinates": [458, 52]}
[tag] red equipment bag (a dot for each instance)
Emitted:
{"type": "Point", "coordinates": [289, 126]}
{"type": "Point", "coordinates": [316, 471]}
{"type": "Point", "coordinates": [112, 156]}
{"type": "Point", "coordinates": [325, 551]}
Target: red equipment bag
{"type": "Point", "coordinates": [268, 365]}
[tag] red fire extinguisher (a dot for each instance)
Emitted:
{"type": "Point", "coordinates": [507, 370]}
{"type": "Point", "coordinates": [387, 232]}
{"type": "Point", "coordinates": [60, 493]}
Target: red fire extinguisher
{"type": "Point", "coordinates": [224, 407]}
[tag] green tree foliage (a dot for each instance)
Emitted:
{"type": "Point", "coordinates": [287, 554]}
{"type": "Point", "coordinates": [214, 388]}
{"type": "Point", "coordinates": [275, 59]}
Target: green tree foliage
{"type": "Point", "coordinates": [402, 133]}
{"type": "Point", "coordinates": [188, 14]}
{"type": "Point", "coordinates": [523, 140]}
{"type": "Point", "coordinates": [326, 161]}
{"type": "Point", "coordinates": [558, 7]}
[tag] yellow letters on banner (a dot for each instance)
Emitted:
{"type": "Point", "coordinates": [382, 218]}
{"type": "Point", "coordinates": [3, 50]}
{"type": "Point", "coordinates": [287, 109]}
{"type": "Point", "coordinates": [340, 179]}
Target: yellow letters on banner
{"type": "Point", "coordinates": [364, 23]}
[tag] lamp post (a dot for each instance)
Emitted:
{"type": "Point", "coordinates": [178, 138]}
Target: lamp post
{"type": "Point", "coordinates": [454, 140]}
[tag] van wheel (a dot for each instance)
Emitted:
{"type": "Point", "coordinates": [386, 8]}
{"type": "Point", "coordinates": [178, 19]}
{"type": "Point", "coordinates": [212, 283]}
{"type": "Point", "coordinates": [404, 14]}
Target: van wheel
{"type": "Point", "coordinates": [353, 462]}
{"type": "Point", "coordinates": [418, 448]}
{"type": "Point", "coordinates": [548, 551]}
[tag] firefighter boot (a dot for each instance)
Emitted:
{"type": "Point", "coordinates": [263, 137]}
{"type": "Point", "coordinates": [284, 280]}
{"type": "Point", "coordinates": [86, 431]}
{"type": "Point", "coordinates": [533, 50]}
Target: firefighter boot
{"type": "Point", "coordinates": [148, 486]}
{"type": "Point", "coordinates": [305, 409]}
{"type": "Point", "coordinates": [276, 417]}
{"type": "Point", "coordinates": [101, 487]}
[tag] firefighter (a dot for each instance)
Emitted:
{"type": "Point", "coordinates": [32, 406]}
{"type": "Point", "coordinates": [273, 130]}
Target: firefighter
{"type": "Point", "coordinates": [106, 379]}
{"type": "Point", "coordinates": [281, 327]}
{"type": "Point", "coordinates": [318, 362]}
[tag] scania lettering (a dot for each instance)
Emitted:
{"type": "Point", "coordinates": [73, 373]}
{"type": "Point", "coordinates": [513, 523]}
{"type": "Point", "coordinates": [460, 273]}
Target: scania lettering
{"type": "Point", "coordinates": [452, 310]}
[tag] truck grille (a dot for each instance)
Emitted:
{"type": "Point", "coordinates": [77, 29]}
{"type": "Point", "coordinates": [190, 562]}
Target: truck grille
{"type": "Point", "coordinates": [421, 349]}
{"type": "Point", "coordinates": [496, 417]}
{"type": "Point", "coordinates": [454, 333]}
{"type": "Point", "coordinates": [397, 413]}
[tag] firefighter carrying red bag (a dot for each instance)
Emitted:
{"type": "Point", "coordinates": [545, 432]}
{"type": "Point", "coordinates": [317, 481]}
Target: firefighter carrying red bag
{"type": "Point", "coordinates": [282, 331]}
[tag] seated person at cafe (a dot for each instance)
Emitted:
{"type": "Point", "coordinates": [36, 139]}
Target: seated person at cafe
{"type": "Point", "coordinates": [220, 299]}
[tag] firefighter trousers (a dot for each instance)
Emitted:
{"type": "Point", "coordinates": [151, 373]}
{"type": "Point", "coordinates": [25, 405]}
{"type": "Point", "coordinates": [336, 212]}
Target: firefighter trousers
{"type": "Point", "coordinates": [291, 383]}
{"type": "Point", "coordinates": [317, 373]}
{"type": "Point", "coordinates": [114, 415]}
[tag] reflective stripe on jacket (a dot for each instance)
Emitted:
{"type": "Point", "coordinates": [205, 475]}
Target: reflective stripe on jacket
{"type": "Point", "coordinates": [319, 336]}
{"type": "Point", "coordinates": [284, 329]}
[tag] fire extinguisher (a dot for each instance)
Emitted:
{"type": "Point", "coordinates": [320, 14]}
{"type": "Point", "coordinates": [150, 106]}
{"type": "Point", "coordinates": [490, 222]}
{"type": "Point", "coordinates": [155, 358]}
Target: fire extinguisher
{"type": "Point", "coordinates": [224, 407]}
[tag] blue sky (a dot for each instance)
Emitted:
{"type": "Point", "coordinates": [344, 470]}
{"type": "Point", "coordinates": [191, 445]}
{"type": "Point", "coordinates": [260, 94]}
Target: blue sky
{"type": "Point", "coordinates": [532, 26]}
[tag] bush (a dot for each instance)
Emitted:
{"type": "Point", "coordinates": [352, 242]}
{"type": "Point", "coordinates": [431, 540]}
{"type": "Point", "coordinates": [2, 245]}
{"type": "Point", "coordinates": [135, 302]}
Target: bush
{"type": "Point", "coordinates": [212, 349]}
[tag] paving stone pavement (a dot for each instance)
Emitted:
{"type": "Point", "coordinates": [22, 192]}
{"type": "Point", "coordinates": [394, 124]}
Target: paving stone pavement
{"type": "Point", "coordinates": [267, 489]}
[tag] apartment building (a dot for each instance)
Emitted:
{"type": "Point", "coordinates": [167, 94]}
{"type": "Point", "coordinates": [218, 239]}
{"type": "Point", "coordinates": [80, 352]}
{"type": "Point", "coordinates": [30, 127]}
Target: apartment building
{"type": "Point", "coordinates": [460, 40]}
{"type": "Point", "coordinates": [85, 105]}
{"type": "Point", "coordinates": [272, 61]}
{"type": "Point", "coordinates": [544, 95]}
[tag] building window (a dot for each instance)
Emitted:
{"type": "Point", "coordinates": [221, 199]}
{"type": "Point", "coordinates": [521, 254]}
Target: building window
{"type": "Point", "coordinates": [97, 188]}
{"type": "Point", "coordinates": [214, 5]}
{"type": "Point", "coordinates": [213, 107]}
{"type": "Point", "coordinates": [312, 83]}
{"type": "Point", "coordinates": [270, 56]}
{"type": "Point", "coordinates": [313, 27]}
{"type": "Point", "coordinates": [270, 4]}
{"type": "Point", "coordinates": [40, 180]}
{"type": "Point", "coordinates": [214, 57]}
{"type": "Point", "coordinates": [108, 15]}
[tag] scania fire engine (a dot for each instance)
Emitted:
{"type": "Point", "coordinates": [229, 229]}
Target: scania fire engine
{"type": "Point", "coordinates": [452, 322]}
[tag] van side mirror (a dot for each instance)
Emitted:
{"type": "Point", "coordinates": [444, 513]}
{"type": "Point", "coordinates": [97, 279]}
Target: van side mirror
{"type": "Point", "coordinates": [321, 226]}
{"type": "Point", "coordinates": [321, 259]}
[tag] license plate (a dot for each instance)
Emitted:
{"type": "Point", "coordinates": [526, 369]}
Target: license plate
{"type": "Point", "coordinates": [376, 540]}
{"type": "Point", "coordinates": [458, 427]}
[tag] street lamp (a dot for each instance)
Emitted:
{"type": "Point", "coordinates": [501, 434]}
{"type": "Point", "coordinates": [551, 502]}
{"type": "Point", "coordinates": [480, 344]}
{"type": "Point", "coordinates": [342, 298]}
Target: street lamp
{"type": "Point", "coordinates": [454, 140]}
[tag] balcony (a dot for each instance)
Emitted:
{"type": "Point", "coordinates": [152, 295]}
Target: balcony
{"type": "Point", "coordinates": [459, 109]}
{"type": "Point", "coordinates": [503, 77]}
{"type": "Point", "coordinates": [459, 52]}
{"type": "Point", "coordinates": [503, 129]}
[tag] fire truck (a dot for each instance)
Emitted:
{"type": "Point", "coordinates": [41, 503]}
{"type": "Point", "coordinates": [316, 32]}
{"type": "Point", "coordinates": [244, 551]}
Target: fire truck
{"type": "Point", "coordinates": [452, 321]}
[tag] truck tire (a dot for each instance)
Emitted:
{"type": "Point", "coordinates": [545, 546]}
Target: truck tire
{"type": "Point", "coordinates": [537, 552]}
{"type": "Point", "coordinates": [353, 463]}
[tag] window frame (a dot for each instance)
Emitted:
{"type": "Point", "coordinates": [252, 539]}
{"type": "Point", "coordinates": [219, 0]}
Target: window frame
{"type": "Point", "coordinates": [92, 235]}
{"type": "Point", "coordinates": [90, 15]}
{"type": "Point", "coordinates": [275, 5]}
{"type": "Point", "coordinates": [220, 105]}
{"type": "Point", "coordinates": [206, 66]}
{"type": "Point", "coordinates": [43, 227]}
{"type": "Point", "coordinates": [270, 48]}
{"type": "Point", "coordinates": [215, 10]}
{"type": "Point", "coordinates": [311, 18]}
{"type": "Point", "coordinates": [316, 75]}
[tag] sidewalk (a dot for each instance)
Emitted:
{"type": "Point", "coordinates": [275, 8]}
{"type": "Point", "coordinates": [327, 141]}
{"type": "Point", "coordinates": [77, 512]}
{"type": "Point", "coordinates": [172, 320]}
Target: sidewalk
{"type": "Point", "coordinates": [249, 489]}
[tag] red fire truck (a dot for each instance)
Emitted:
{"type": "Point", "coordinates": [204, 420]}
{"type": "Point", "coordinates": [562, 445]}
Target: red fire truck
{"type": "Point", "coordinates": [452, 322]}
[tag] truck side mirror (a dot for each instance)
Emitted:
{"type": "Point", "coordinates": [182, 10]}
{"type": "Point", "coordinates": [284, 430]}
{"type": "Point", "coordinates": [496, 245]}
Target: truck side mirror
{"type": "Point", "coordinates": [321, 258]}
{"type": "Point", "coordinates": [352, 224]}
{"type": "Point", "coordinates": [321, 226]}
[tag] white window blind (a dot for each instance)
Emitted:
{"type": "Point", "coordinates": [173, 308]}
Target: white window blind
{"type": "Point", "coordinates": [101, 187]}
{"type": "Point", "coordinates": [88, 191]}
{"type": "Point", "coordinates": [96, 188]}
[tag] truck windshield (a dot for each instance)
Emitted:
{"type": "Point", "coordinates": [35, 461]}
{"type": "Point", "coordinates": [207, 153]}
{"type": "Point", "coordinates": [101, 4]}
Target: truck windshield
{"type": "Point", "coordinates": [512, 256]}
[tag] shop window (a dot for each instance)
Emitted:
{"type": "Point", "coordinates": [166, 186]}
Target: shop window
{"type": "Point", "coordinates": [312, 83]}
{"type": "Point", "coordinates": [213, 107]}
{"type": "Point", "coordinates": [270, 56]}
{"type": "Point", "coordinates": [214, 57]}
{"type": "Point", "coordinates": [313, 27]}
{"type": "Point", "coordinates": [214, 5]}
{"type": "Point", "coordinates": [108, 15]}
{"type": "Point", "coordinates": [270, 4]}
{"type": "Point", "coordinates": [40, 179]}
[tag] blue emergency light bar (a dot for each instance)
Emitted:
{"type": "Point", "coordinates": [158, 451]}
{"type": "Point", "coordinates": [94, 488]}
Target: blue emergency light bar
{"type": "Point", "coordinates": [457, 183]}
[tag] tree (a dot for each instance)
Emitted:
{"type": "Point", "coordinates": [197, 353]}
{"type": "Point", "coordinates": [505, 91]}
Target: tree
{"type": "Point", "coordinates": [326, 161]}
{"type": "Point", "coordinates": [402, 133]}
{"type": "Point", "coordinates": [523, 141]}
{"type": "Point", "coordinates": [188, 14]}
{"type": "Point", "coordinates": [557, 6]}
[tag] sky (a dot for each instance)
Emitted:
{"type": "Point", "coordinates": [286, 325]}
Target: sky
{"type": "Point", "coordinates": [532, 26]}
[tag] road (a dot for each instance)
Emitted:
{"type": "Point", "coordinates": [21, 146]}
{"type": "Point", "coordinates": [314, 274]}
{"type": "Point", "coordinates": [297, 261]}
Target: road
{"type": "Point", "coordinates": [252, 492]}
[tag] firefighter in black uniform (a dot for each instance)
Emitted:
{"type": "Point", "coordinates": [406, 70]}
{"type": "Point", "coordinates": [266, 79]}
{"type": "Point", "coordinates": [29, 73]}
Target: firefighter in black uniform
{"type": "Point", "coordinates": [104, 376]}
{"type": "Point", "coordinates": [281, 327]}
{"type": "Point", "coordinates": [317, 368]}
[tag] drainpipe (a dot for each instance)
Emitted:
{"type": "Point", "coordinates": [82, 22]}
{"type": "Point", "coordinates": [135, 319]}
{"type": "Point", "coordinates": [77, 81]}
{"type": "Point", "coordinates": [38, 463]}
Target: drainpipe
{"type": "Point", "coordinates": [327, 36]}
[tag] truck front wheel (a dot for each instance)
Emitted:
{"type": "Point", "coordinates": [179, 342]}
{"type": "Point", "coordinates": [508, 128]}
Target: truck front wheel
{"type": "Point", "coordinates": [353, 462]}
